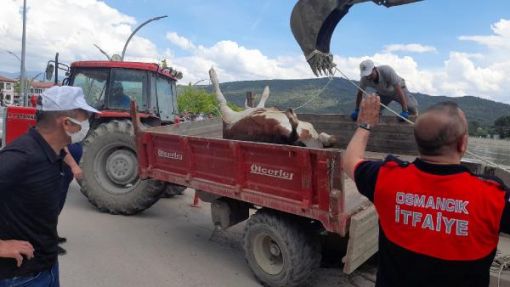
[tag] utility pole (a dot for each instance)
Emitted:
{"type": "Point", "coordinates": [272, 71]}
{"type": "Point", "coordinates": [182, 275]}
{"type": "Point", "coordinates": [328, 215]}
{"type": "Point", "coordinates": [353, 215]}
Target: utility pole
{"type": "Point", "coordinates": [250, 96]}
{"type": "Point", "coordinates": [22, 73]}
{"type": "Point", "coordinates": [56, 69]}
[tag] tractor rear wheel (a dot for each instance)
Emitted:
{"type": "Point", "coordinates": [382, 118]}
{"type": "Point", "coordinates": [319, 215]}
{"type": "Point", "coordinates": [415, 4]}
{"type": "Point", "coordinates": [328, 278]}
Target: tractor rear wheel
{"type": "Point", "coordinates": [110, 171]}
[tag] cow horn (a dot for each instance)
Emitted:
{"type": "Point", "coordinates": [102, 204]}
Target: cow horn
{"type": "Point", "coordinates": [228, 114]}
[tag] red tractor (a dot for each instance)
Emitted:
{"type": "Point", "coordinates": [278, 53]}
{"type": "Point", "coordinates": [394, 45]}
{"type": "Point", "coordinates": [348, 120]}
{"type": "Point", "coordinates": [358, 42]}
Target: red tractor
{"type": "Point", "coordinates": [109, 161]}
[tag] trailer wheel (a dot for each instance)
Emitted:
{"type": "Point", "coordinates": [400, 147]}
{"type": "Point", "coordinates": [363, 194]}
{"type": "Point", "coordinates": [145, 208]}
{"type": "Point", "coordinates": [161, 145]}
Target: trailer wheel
{"type": "Point", "coordinates": [278, 251]}
{"type": "Point", "coordinates": [110, 169]}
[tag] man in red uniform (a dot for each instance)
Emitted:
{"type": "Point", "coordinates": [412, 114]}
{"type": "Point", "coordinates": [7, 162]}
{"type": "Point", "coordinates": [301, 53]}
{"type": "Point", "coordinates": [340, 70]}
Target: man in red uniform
{"type": "Point", "coordinates": [439, 223]}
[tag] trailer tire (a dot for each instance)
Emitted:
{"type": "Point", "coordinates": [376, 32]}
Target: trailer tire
{"type": "Point", "coordinates": [279, 251]}
{"type": "Point", "coordinates": [110, 171]}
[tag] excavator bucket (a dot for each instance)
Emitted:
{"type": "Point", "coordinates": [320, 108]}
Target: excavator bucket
{"type": "Point", "coordinates": [313, 22]}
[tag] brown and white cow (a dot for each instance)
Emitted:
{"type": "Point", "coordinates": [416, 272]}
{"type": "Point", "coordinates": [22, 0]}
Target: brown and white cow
{"type": "Point", "coordinates": [261, 124]}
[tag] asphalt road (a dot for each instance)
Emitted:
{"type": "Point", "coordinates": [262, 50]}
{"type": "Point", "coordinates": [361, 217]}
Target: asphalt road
{"type": "Point", "coordinates": [169, 244]}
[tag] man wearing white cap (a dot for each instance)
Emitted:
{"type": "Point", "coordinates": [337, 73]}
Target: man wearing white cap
{"type": "Point", "coordinates": [31, 174]}
{"type": "Point", "coordinates": [389, 87]}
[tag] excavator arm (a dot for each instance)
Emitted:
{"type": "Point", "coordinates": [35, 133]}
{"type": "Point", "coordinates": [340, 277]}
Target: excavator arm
{"type": "Point", "coordinates": [313, 22]}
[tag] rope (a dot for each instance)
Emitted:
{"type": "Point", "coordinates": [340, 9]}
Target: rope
{"type": "Point", "coordinates": [500, 263]}
{"type": "Point", "coordinates": [490, 163]}
{"type": "Point", "coordinates": [318, 94]}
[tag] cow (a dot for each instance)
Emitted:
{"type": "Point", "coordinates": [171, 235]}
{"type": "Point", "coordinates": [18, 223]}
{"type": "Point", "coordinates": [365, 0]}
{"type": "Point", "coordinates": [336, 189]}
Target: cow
{"type": "Point", "coordinates": [270, 125]}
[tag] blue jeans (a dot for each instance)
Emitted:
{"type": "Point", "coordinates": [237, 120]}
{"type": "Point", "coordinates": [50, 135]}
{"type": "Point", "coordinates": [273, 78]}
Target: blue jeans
{"type": "Point", "coordinates": [48, 278]}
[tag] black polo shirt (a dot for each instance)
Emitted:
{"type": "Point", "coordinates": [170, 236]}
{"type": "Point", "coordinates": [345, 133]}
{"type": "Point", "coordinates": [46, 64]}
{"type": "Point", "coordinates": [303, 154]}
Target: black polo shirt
{"type": "Point", "coordinates": [30, 183]}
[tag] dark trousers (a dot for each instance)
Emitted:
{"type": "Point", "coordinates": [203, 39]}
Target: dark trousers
{"type": "Point", "coordinates": [48, 278]}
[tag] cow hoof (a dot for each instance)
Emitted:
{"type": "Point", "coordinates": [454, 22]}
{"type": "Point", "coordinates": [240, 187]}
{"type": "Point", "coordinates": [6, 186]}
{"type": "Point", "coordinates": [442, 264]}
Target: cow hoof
{"type": "Point", "coordinates": [294, 122]}
{"type": "Point", "coordinates": [327, 140]}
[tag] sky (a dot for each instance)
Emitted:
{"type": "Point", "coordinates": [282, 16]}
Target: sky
{"type": "Point", "coordinates": [440, 47]}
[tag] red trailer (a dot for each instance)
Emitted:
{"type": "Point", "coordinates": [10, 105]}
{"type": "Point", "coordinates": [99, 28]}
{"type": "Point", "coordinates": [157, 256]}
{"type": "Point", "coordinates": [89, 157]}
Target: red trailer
{"type": "Point", "coordinates": [298, 194]}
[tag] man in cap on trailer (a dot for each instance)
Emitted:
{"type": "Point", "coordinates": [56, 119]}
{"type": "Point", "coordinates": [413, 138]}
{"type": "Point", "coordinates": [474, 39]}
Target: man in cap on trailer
{"type": "Point", "coordinates": [389, 87]}
{"type": "Point", "coordinates": [31, 175]}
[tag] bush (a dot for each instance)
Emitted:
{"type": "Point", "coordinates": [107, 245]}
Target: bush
{"type": "Point", "coordinates": [198, 101]}
{"type": "Point", "coordinates": [195, 101]}
{"type": "Point", "coordinates": [502, 126]}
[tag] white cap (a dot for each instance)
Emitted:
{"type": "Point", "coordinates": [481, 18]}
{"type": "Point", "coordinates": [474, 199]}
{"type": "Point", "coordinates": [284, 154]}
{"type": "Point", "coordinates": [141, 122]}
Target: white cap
{"type": "Point", "coordinates": [65, 98]}
{"type": "Point", "coordinates": [366, 67]}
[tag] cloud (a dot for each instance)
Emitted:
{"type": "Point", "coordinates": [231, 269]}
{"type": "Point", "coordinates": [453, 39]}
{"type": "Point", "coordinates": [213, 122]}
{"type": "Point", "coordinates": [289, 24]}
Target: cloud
{"type": "Point", "coordinates": [91, 22]}
{"type": "Point", "coordinates": [482, 74]}
{"type": "Point", "coordinates": [82, 24]}
{"type": "Point", "coordinates": [234, 62]}
{"type": "Point", "coordinates": [460, 74]}
{"type": "Point", "coordinates": [500, 39]}
{"type": "Point", "coordinates": [180, 41]}
{"type": "Point", "coordinates": [413, 48]}
{"type": "Point", "coordinates": [416, 78]}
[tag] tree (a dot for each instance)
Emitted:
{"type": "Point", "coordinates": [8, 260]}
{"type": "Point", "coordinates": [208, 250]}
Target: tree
{"type": "Point", "coordinates": [196, 100]}
{"type": "Point", "coordinates": [502, 126]}
{"type": "Point", "coordinates": [473, 128]}
{"type": "Point", "coordinates": [477, 130]}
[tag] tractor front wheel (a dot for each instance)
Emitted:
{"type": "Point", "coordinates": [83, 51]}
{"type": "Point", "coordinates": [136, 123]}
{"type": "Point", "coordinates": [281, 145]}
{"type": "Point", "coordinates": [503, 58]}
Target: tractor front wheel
{"type": "Point", "coordinates": [110, 169]}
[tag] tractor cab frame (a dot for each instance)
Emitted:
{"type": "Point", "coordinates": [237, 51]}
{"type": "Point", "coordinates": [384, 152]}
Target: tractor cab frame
{"type": "Point", "coordinates": [109, 86]}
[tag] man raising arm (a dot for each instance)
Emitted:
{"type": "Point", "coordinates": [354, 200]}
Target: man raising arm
{"type": "Point", "coordinates": [439, 223]}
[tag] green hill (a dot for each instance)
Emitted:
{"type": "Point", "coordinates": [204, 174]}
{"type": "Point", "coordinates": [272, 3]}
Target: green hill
{"type": "Point", "coordinates": [340, 96]}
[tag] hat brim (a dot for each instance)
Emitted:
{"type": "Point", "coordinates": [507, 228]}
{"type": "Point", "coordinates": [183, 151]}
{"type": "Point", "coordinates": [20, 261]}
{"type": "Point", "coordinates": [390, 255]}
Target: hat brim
{"type": "Point", "coordinates": [89, 109]}
{"type": "Point", "coordinates": [366, 73]}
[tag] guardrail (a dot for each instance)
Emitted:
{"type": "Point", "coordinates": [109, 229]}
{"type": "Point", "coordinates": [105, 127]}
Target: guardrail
{"type": "Point", "coordinates": [394, 137]}
{"type": "Point", "coordinates": [390, 136]}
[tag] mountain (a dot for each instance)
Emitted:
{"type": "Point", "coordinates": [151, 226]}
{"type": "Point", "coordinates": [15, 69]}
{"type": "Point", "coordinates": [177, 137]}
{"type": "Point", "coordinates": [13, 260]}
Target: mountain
{"type": "Point", "coordinates": [340, 95]}
{"type": "Point", "coordinates": [29, 75]}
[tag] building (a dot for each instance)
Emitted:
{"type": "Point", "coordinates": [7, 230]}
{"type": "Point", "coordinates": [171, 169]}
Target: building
{"type": "Point", "coordinates": [12, 97]}
{"type": "Point", "coordinates": [7, 91]}
{"type": "Point", "coordinates": [36, 87]}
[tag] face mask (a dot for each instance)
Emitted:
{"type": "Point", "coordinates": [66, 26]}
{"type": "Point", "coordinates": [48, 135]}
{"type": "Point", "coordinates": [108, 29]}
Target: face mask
{"type": "Point", "coordinates": [82, 133]}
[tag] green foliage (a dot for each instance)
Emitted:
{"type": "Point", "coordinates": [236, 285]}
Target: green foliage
{"type": "Point", "coordinates": [476, 130]}
{"type": "Point", "coordinates": [234, 107]}
{"type": "Point", "coordinates": [502, 126]}
{"type": "Point", "coordinates": [195, 100]}
{"type": "Point", "coordinates": [17, 86]}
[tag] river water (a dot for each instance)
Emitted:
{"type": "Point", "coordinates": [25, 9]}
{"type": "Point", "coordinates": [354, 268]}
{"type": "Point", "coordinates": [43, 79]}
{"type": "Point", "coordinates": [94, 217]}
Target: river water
{"type": "Point", "coordinates": [497, 151]}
